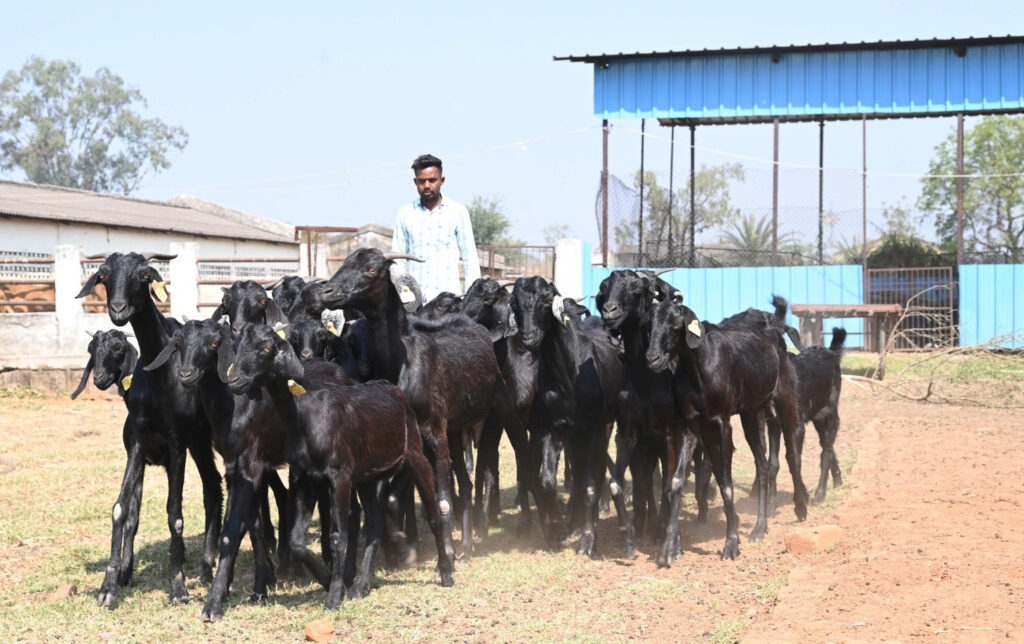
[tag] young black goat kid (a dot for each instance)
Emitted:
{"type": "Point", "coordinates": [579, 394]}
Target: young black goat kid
{"type": "Point", "coordinates": [111, 361]}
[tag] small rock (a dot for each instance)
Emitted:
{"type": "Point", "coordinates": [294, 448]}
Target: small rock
{"type": "Point", "coordinates": [813, 539]}
{"type": "Point", "coordinates": [320, 631]}
{"type": "Point", "coordinates": [64, 592]}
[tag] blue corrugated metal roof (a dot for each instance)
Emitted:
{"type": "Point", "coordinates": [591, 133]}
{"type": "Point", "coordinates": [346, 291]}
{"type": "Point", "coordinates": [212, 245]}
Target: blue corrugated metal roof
{"type": "Point", "coordinates": [812, 82]}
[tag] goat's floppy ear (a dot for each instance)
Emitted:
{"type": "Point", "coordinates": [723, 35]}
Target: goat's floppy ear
{"type": "Point", "coordinates": [218, 312]}
{"type": "Point", "coordinates": [156, 283]}
{"type": "Point", "coordinates": [225, 353]}
{"type": "Point", "coordinates": [502, 316]}
{"type": "Point", "coordinates": [274, 314]}
{"type": "Point", "coordinates": [162, 357]}
{"type": "Point", "coordinates": [89, 285]}
{"type": "Point", "coordinates": [694, 329]}
{"type": "Point", "coordinates": [794, 337]}
{"type": "Point", "coordinates": [286, 363]}
{"type": "Point", "coordinates": [131, 356]}
{"type": "Point", "coordinates": [85, 377]}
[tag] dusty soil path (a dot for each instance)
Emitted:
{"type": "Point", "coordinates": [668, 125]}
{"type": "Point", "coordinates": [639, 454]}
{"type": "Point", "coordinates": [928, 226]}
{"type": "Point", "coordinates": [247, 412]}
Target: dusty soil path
{"type": "Point", "coordinates": [934, 533]}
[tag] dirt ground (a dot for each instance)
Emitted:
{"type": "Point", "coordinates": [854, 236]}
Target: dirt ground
{"type": "Point", "coordinates": [933, 547]}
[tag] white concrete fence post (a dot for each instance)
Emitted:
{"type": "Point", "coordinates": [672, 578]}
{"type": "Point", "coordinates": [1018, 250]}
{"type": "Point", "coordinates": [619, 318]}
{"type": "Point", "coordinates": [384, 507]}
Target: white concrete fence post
{"type": "Point", "coordinates": [184, 280]}
{"type": "Point", "coordinates": [67, 282]}
{"type": "Point", "coordinates": [569, 268]}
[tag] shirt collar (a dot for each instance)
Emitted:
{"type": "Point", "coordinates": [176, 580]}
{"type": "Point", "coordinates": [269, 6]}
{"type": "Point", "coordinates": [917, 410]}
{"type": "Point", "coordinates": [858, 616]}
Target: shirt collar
{"type": "Point", "coordinates": [418, 205]}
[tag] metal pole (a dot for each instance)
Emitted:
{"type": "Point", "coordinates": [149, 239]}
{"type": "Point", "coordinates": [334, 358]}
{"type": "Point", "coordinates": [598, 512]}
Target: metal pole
{"type": "Point", "coordinates": [640, 223]}
{"type": "Point", "coordinates": [775, 196]}
{"type": "Point", "coordinates": [604, 192]}
{"type": "Point", "coordinates": [821, 191]}
{"type": "Point", "coordinates": [693, 195]}
{"type": "Point", "coordinates": [671, 177]}
{"type": "Point", "coordinates": [864, 207]}
{"type": "Point", "coordinates": [959, 190]}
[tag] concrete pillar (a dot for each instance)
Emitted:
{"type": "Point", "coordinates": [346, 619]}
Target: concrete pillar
{"type": "Point", "coordinates": [184, 279]}
{"type": "Point", "coordinates": [304, 259]}
{"type": "Point", "coordinates": [569, 262]}
{"type": "Point", "coordinates": [67, 282]}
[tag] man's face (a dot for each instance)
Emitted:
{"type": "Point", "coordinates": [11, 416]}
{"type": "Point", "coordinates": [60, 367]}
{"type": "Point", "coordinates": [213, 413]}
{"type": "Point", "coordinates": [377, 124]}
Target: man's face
{"type": "Point", "coordinates": [428, 183]}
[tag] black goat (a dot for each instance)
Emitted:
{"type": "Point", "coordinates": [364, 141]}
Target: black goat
{"type": "Point", "coordinates": [735, 367]}
{"type": "Point", "coordinates": [309, 304]}
{"type": "Point", "coordinates": [111, 361]}
{"type": "Point", "coordinates": [164, 420]}
{"type": "Point", "coordinates": [443, 303]}
{"type": "Point", "coordinates": [648, 427]}
{"type": "Point", "coordinates": [247, 301]}
{"type": "Point", "coordinates": [286, 290]}
{"type": "Point", "coordinates": [820, 381]}
{"type": "Point", "coordinates": [251, 439]}
{"type": "Point", "coordinates": [578, 382]}
{"type": "Point", "coordinates": [447, 370]}
{"type": "Point", "coordinates": [489, 304]}
{"type": "Point", "coordinates": [354, 436]}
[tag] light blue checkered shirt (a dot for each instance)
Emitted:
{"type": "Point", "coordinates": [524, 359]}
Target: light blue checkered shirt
{"type": "Point", "coordinates": [439, 236]}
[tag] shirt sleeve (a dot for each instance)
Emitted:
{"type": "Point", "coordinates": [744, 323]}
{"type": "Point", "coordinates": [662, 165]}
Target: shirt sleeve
{"type": "Point", "coordinates": [467, 248]}
{"type": "Point", "coordinates": [400, 244]}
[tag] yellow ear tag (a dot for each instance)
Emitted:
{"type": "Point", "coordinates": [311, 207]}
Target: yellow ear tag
{"type": "Point", "coordinates": [333, 329]}
{"type": "Point", "coordinates": [694, 328]}
{"type": "Point", "coordinates": [406, 295]}
{"type": "Point", "coordinates": [281, 333]}
{"type": "Point", "coordinates": [230, 367]}
{"type": "Point", "coordinates": [296, 388]}
{"type": "Point", "coordinates": [160, 290]}
{"type": "Point", "coordinates": [126, 382]}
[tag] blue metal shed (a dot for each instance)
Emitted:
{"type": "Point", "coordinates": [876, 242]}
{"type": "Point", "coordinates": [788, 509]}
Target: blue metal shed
{"type": "Point", "coordinates": [812, 82]}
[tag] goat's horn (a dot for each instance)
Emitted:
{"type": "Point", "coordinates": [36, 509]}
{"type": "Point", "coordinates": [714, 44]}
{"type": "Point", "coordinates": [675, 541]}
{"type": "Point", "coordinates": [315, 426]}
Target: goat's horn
{"type": "Point", "coordinates": [403, 256]}
{"type": "Point", "coordinates": [315, 280]}
{"type": "Point", "coordinates": [662, 271]}
{"type": "Point", "coordinates": [91, 333]}
{"type": "Point", "coordinates": [160, 257]}
{"type": "Point", "coordinates": [96, 256]}
{"type": "Point", "coordinates": [279, 281]}
{"type": "Point", "coordinates": [505, 283]}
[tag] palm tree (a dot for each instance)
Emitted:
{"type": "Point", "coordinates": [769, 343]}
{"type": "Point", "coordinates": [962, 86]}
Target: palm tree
{"type": "Point", "coordinates": [748, 242]}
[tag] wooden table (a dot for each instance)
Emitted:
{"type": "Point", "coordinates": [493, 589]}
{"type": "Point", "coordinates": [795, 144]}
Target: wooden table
{"type": "Point", "coordinates": [883, 319]}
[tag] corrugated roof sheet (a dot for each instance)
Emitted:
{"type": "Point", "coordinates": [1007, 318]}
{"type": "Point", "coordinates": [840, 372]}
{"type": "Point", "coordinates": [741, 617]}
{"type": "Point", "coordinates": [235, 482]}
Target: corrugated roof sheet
{"type": "Point", "coordinates": [792, 48]}
{"type": "Point", "coordinates": [34, 201]}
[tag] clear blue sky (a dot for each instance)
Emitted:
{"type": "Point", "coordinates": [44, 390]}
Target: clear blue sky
{"type": "Point", "coordinates": [311, 112]}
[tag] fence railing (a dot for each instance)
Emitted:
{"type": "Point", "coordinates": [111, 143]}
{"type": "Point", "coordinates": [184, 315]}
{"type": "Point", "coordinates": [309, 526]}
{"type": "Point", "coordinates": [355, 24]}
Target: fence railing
{"type": "Point", "coordinates": [215, 272]}
{"type": "Point", "coordinates": [26, 283]}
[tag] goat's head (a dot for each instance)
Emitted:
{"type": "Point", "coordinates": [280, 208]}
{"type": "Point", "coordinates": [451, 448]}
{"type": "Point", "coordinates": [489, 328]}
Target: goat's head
{"type": "Point", "coordinates": [286, 290]}
{"type": "Point", "coordinates": [443, 303]}
{"type": "Point", "coordinates": [258, 356]}
{"type": "Point", "coordinates": [310, 339]}
{"type": "Point", "coordinates": [247, 301]}
{"type": "Point", "coordinates": [363, 281]}
{"type": "Point", "coordinates": [129, 280]}
{"type": "Point", "coordinates": [628, 295]}
{"type": "Point", "coordinates": [111, 358]}
{"type": "Point", "coordinates": [197, 344]}
{"type": "Point", "coordinates": [409, 291]}
{"type": "Point", "coordinates": [489, 303]}
{"type": "Point", "coordinates": [533, 299]}
{"type": "Point", "coordinates": [674, 329]}
{"type": "Point", "coordinates": [575, 310]}
{"type": "Point", "coordinates": [309, 305]}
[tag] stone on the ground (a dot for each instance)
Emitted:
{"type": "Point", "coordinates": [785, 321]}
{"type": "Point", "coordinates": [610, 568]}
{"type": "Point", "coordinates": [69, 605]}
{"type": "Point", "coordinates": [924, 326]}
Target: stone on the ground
{"type": "Point", "coordinates": [813, 539]}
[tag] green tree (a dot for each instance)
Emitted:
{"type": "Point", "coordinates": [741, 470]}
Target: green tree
{"type": "Point", "coordinates": [899, 245]}
{"type": "Point", "coordinates": [712, 208]}
{"type": "Point", "coordinates": [553, 232]}
{"type": "Point", "coordinates": [747, 241]}
{"type": "Point", "coordinates": [64, 129]}
{"type": "Point", "coordinates": [490, 225]}
{"type": "Point", "coordinates": [993, 222]}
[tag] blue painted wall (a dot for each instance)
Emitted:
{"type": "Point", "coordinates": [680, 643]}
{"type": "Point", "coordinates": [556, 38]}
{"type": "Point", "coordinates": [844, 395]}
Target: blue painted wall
{"type": "Point", "coordinates": [717, 293]}
{"type": "Point", "coordinates": [805, 84]}
{"type": "Point", "coordinates": [991, 303]}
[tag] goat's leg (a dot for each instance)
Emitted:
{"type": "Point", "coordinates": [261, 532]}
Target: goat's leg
{"type": "Point", "coordinates": [465, 504]}
{"type": "Point", "coordinates": [323, 505]}
{"type": "Point", "coordinates": [117, 575]}
{"type": "Point", "coordinates": [264, 577]}
{"type": "Point", "coordinates": [372, 496]}
{"type": "Point", "coordinates": [595, 454]}
{"type": "Point", "coordinates": [437, 436]}
{"type": "Point", "coordinates": [751, 430]}
{"type": "Point", "coordinates": [131, 528]}
{"type": "Point", "coordinates": [341, 500]}
{"type": "Point", "coordinates": [284, 553]}
{"type": "Point", "coordinates": [518, 438]}
{"type": "Point", "coordinates": [301, 501]}
{"type": "Point", "coordinates": [213, 501]}
{"type": "Point", "coordinates": [625, 443]}
{"type": "Point", "coordinates": [176, 524]}
{"type": "Point", "coordinates": [793, 435]}
{"type": "Point", "coordinates": [397, 550]}
{"type": "Point", "coordinates": [672, 484]}
{"type": "Point", "coordinates": [241, 513]}
{"type": "Point", "coordinates": [669, 550]}
{"type": "Point", "coordinates": [837, 472]}
{"type": "Point", "coordinates": [827, 429]}
{"type": "Point", "coordinates": [423, 476]}
{"type": "Point", "coordinates": [716, 435]}
{"type": "Point", "coordinates": [774, 435]}
{"type": "Point", "coordinates": [486, 474]}
{"type": "Point", "coordinates": [548, 447]}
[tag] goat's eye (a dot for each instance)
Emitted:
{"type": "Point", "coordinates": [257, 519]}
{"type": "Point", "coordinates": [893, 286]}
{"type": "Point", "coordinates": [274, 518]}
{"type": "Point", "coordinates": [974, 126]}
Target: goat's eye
{"type": "Point", "coordinates": [119, 350]}
{"type": "Point", "coordinates": [262, 301]}
{"type": "Point", "coordinates": [265, 350]}
{"type": "Point", "coordinates": [100, 276]}
{"type": "Point", "coordinates": [372, 272]}
{"type": "Point", "coordinates": [214, 344]}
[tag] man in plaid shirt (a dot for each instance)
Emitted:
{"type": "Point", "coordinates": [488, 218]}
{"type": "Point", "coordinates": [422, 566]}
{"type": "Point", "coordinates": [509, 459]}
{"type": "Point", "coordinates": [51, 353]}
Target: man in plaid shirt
{"type": "Point", "coordinates": [436, 229]}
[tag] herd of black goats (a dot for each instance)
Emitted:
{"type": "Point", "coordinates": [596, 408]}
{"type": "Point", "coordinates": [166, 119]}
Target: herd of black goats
{"type": "Point", "coordinates": [396, 398]}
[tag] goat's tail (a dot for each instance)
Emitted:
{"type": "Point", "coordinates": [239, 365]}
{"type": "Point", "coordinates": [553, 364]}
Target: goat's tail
{"type": "Point", "coordinates": [838, 338]}
{"type": "Point", "coordinates": [781, 306]}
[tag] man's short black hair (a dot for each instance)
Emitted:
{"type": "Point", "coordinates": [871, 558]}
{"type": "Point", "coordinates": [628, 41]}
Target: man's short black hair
{"type": "Point", "coordinates": [427, 161]}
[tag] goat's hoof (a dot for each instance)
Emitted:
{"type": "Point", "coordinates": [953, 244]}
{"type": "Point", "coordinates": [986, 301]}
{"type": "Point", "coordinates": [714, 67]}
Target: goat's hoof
{"type": "Point", "coordinates": [211, 615]}
{"type": "Point", "coordinates": [801, 512]}
{"type": "Point", "coordinates": [447, 579]}
{"type": "Point", "coordinates": [819, 497]}
{"type": "Point", "coordinates": [206, 576]}
{"type": "Point", "coordinates": [358, 590]}
{"type": "Point", "coordinates": [179, 595]}
{"type": "Point", "coordinates": [731, 549]}
{"type": "Point", "coordinates": [106, 598]}
{"type": "Point", "coordinates": [758, 533]}
{"type": "Point", "coordinates": [587, 545]}
{"type": "Point", "coordinates": [258, 597]}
